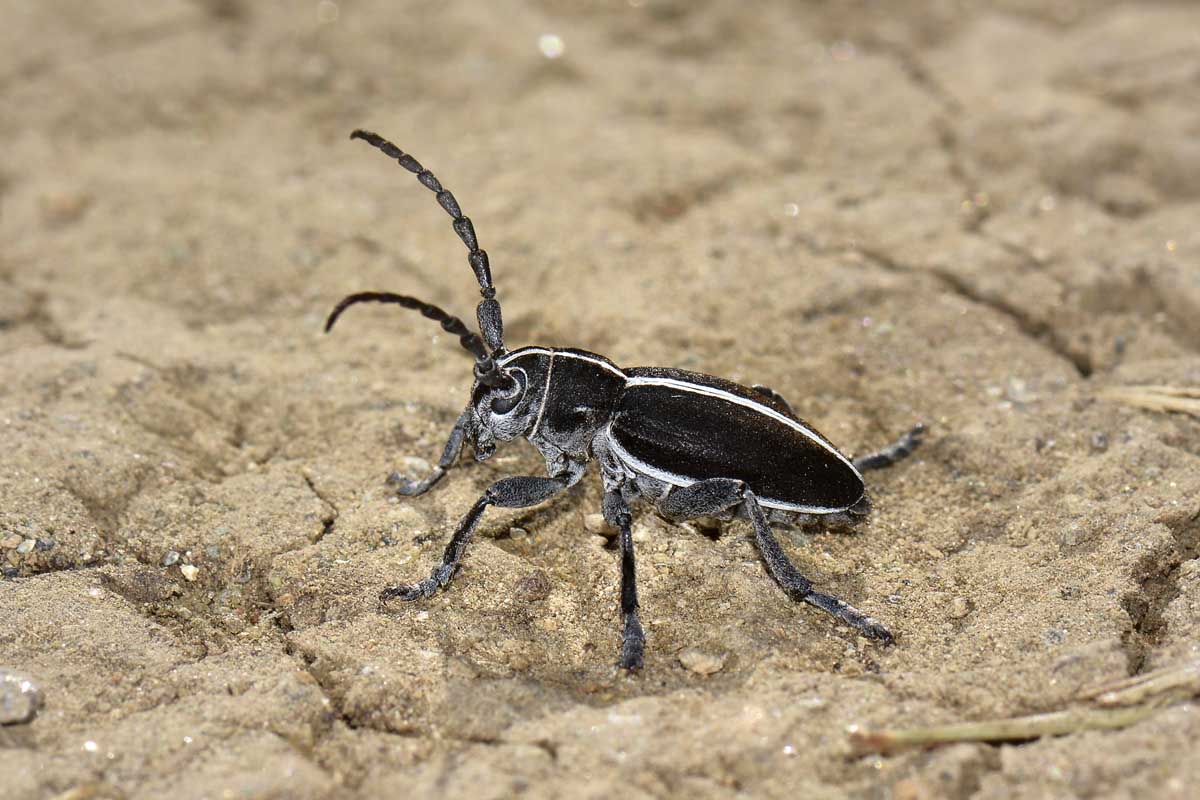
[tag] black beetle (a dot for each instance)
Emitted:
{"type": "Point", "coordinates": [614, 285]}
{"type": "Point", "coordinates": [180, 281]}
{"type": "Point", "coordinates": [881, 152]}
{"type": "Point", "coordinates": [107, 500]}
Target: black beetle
{"type": "Point", "coordinates": [691, 444]}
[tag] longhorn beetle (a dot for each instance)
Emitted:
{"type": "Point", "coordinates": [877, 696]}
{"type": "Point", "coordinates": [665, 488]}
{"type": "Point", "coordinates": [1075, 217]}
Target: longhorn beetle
{"type": "Point", "coordinates": [692, 445]}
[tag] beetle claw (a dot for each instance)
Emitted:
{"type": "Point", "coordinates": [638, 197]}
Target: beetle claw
{"type": "Point", "coordinates": [631, 656]}
{"type": "Point", "coordinates": [874, 630]}
{"type": "Point", "coordinates": [408, 591]}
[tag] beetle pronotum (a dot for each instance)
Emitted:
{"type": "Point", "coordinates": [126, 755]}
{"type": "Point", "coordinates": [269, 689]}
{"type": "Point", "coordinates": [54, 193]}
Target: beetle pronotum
{"type": "Point", "coordinates": [692, 445]}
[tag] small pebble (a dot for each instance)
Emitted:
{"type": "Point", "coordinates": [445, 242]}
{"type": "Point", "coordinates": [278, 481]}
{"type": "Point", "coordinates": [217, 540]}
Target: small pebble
{"type": "Point", "coordinates": [26, 546]}
{"type": "Point", "coordinates": [189, 571]}
{"type": "Point", "coordinates": [518, 533]}
{"type": "Point", "coordinates": [11, 541]}
{"type": "Point", "coordinates": [700, 662]}
{"type": "Point", "coordinates": [533, 587]}
{"type": "Point", "coordinates": [597, 524]}
{"type": "Point", "coordinates": [20, 698]}
{"type": "Point", "coordinates": [169, 558]}
{"type": "Point", "coordinates": [416, 467]}
{"type": "Point", "coordinates": [64, 207]}
{"type": "Point", "coordinates": [959, 607]}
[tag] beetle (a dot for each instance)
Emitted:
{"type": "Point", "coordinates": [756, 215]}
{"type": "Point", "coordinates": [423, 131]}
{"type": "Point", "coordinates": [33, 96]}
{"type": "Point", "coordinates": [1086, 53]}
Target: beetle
{"type": "Point", "coordinates": [691, 445]}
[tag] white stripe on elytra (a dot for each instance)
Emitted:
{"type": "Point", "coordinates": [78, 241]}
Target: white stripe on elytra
{"type": "Point", "coordinates": [710, 391]}
{"type": "Point", "coordinates": [641, 467]}
{"type": "Point", "coordinates": [545, 396]}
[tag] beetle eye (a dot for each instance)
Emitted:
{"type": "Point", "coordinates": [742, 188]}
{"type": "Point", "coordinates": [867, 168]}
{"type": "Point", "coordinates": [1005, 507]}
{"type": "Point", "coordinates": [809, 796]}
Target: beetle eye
{"type": "Point", "coordinates": [502, 404]}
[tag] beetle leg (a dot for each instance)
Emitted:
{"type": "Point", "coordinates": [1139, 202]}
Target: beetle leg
{"type": "Point", "coordinates": [701, 499]}
{"type": "Point", "coordinates": [799, 587]}
{"type": "Point", "coordinates": [518, 492]}
{"type": "Point", "coordinates": [633, 640]}
{"type": "Point", "coordinates": [767, 391]}
{"type": "Point", "coordinates": [719, 494]}
{"type": "Point", "coordinates": [450, 453]}
{"type": "Point", "coordinates": [899, 450]}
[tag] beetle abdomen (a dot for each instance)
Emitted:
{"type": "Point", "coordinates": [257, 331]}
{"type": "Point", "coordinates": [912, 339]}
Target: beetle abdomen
{"type": "Point", "coordinates": [681, 427]}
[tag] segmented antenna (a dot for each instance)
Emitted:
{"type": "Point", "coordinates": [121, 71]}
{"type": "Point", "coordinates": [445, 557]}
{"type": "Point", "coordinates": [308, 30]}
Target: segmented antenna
{"type": "Point", "coordinates": [488, 312]}
{"type": "Point", "coordinates": [450, 323]}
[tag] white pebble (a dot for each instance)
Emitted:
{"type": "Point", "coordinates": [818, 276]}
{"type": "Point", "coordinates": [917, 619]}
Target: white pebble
{"type": "Point", "coordinates": [700, 662]}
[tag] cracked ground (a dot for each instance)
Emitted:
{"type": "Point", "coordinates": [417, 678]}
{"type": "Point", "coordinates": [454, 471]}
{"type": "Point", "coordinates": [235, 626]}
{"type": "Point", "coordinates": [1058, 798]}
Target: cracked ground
{"type": "Point", "coordinates": [978, 215]}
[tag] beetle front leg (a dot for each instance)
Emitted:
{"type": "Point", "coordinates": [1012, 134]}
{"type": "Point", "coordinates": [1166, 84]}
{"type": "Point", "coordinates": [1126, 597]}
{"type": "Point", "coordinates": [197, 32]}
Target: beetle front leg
{"type": "Point", "coordinates": [520, 492]}
{"type": "Point", "coordinates": [713, 496]}
{"type": "Point", "coordinates": [633, 640]}
{"type": "Point", "coordinates": [450, 453]}
{"type": "Point", "coordinates": [899, 450]}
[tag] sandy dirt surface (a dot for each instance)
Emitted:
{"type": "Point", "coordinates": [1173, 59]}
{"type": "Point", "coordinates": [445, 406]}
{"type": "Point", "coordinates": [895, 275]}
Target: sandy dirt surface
{"type": "Point", "coordinates": [979, 215]}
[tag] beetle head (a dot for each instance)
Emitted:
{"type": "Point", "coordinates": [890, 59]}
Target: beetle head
{"type": "Point", "coordinates": [501, 412]}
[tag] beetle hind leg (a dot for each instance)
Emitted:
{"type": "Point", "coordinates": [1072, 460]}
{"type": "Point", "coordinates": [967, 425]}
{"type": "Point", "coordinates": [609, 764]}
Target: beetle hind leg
{"type": "Point", "coordinates": [898, 450]}
{"type": "Point", "coordinates": [799, 587]}
{"type": "Point", "coordinates": [719, 494]}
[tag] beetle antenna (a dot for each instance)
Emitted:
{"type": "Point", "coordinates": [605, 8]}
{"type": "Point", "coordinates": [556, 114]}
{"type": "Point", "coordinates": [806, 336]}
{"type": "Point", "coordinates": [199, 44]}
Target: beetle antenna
{"type": "Point", "coordinates": [488, 311]}
{"type": "Point", "coordinates": [485, 367]}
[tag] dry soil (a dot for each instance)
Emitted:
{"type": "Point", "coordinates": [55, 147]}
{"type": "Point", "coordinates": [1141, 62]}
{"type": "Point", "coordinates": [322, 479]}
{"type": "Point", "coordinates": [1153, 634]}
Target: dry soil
{"type": "Point", "coordinates": [980, 215]}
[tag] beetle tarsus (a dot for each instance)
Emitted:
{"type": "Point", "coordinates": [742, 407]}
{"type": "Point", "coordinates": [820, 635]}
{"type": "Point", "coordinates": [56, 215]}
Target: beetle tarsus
{"type": "Point", "coordinates": [409, 487]}
{"type": "Point", "coordinates": [868, 626]}
{"type": "Point", "coordinates": [408, 591]}
{"type": "Point", "coordinates": [438, 579]}
{"type": "Point", "coordinates": [899, 450]}
{"type": "Point", "coordinates": [633, 644]}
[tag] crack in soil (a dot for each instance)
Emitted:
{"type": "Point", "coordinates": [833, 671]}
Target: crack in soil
{"type": "Point", "coordinates": [1158, 586]}
{"type": "Point", "coordinates": [946, 136]}
{"type": "Point", "coordinates": [328, 519]}
{"type": "Point", "coordinates": [1044, 334]}
{"type": "Point", "coordinates": [1038, 330]}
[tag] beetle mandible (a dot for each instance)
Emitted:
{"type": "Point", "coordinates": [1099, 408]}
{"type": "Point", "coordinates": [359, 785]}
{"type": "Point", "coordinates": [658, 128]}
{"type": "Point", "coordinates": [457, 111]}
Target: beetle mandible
{"type": "Point", "coordinates": [692, 445]}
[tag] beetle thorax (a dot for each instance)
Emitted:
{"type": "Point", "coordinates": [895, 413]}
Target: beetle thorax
{"type": "Point", "coordinates": [581, 392]}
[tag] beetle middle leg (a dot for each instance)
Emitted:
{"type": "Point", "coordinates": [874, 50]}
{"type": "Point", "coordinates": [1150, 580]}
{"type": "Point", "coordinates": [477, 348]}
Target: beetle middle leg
{"type": "Point", "coordinates": [633, 640]}
{"type": "Point", "coordinates": [519, 492]}
{"type": "Point", "coordinates": [898, 450]}
{"type": "Point", "coordinates": [715, 495]}
{"type": "Point", "coordinates": [450, 453]}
